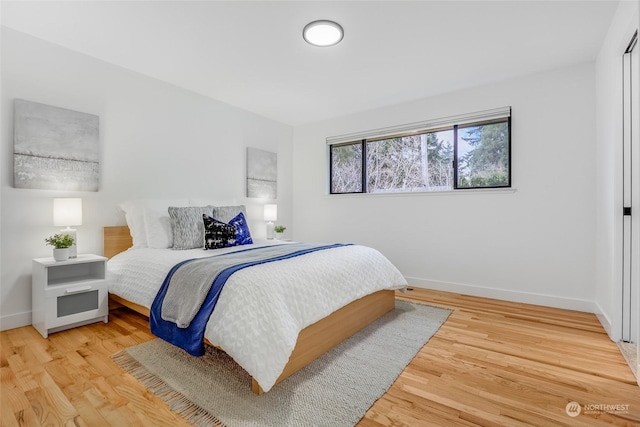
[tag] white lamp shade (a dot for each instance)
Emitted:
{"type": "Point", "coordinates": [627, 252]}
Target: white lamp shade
{"type": "Point", "coordinates": [270, 212]}
{"type": "Point", "coordinates": [67, 212]}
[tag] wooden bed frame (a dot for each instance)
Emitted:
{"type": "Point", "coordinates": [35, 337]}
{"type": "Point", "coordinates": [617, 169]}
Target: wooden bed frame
{"type": "Point", "coordinates": [313, 341]}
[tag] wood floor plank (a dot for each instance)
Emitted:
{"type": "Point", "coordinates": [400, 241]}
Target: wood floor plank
{"type": "Point", "coordinates": [12, 398]}
{"type": "Point", "coordinates": [493, 363]}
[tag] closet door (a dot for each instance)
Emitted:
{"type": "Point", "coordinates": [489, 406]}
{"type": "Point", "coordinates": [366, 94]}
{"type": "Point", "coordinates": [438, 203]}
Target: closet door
{"type": "Point", "coordinates": [631, 195]}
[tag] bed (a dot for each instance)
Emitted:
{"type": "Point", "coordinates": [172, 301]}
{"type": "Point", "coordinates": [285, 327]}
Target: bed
{"type": "Point", "coordinates": [312, 340]}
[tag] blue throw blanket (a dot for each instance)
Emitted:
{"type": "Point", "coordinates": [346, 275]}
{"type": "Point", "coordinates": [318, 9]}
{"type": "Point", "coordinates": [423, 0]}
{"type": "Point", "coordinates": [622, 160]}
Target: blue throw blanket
{"type": "Point", "coordinates": [214, 272]}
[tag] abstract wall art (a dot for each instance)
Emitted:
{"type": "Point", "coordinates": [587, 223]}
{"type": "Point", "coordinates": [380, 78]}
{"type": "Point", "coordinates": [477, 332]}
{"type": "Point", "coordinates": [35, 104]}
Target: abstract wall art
{"type": "Point", "coordinates": [262, 174]}
{"type": "Point", "coordinates": [55, 148]}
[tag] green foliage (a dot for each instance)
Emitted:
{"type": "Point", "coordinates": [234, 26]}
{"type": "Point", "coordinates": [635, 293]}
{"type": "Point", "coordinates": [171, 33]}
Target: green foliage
{"type": "Point", "coordinates": [279, 228]}
{"type": "Point", "coordinates": [490, 179]}
{"type": "Point", "coordinates": [60, 241]}
{"type": "Point", "coordinates": [487, 163]}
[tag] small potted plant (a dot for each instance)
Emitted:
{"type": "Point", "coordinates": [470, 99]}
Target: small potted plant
{"type": "Point", "coordinates": [279, 229]}
{"type": "Point", "coordinates": [61, 244]}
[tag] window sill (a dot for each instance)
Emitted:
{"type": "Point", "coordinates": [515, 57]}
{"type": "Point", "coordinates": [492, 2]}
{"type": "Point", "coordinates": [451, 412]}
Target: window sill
{"type": "Point", "coordinates": [476, 192]}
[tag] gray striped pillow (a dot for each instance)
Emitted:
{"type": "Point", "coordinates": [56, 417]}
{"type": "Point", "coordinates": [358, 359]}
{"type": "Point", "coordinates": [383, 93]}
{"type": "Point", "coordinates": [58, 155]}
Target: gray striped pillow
{"type": "Point", "coordinates": [227, 213]}
{"type": "Point", "coordinates": [187, 226]}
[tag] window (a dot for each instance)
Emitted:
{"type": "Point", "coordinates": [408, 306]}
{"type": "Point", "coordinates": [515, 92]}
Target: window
{"type": "Point", "coordinates": [346, 167]}
{"type": "Point", "coordinates": [483, 155]}
{"type": "Point", "coordinates": [467, 155]}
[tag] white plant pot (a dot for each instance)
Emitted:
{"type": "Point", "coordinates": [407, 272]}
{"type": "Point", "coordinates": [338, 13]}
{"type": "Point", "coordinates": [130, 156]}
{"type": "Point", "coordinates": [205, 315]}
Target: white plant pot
{"type": "Point", "coordinates": [61, 254]}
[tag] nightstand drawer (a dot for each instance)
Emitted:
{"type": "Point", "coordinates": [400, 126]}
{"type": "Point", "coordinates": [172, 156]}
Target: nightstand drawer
{"type": "Point", "coordinates": [77, 302]}
{"type": "Point", "coordinates": [73, 307]}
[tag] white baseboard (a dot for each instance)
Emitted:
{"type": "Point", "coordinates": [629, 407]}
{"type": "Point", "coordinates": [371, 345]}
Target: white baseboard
{"type": "Point", "coordinates": [607, 324]}
{"type": "Point", "coordinates": [506, 295]}
{"type": "Point", "coordinates": [13, 321]}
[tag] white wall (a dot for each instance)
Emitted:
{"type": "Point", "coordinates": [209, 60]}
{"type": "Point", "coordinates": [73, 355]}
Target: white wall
{"type": "Point", "coordinates": [535, 244]}
{"type": "Point", "coordinates": [156, 141]}
{"type": "Point", "coordinates": [608, 291]}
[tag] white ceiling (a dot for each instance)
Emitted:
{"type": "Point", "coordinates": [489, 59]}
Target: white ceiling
{"type": "Point", "coordinates": [252, 55]}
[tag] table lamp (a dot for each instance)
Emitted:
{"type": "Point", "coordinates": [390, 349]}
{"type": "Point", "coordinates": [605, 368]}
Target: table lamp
{"type": "Point", "coordinates": [67, 212]}
{"type": "Point", "coordinates": [270, 215]}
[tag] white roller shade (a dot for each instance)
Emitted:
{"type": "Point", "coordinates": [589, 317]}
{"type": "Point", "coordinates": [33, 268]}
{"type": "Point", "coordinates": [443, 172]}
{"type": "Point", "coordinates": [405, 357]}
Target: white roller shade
{"type": "Point", "coordinates": [479, 116]}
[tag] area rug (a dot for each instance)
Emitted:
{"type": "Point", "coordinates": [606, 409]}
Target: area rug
{"type": "Point", "coordinates": [630, 353]}
{"type": "Point", "coordinates": [335, 390]}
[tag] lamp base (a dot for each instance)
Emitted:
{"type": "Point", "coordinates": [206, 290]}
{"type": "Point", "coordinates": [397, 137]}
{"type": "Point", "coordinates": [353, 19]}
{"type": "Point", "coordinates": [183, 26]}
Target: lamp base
{"type": "Point", "coordinates": [270, 226]}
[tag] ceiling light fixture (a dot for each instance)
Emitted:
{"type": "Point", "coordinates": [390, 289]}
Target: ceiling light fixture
{"type": "Point", "coordinates": [323, 33]}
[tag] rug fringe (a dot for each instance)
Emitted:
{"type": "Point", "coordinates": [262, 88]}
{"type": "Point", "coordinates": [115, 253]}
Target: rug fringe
{"type": "Point", "coordinates": [176, 401]}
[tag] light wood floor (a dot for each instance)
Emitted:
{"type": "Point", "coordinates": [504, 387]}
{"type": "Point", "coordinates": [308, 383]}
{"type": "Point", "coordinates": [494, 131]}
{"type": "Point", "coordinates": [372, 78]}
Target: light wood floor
{"type": "Point", "coordinates": [493, 363]}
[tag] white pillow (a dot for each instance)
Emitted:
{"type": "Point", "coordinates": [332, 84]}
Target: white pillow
{"type": "Point", "coordinates": [134, 214]}
{"type": "Point", "coordinates": [157, 225]}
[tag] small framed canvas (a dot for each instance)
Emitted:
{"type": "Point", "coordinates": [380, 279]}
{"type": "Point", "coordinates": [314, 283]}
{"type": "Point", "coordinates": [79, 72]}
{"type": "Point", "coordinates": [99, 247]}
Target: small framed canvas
{"type": "Point", "coordinates": [262, 174]}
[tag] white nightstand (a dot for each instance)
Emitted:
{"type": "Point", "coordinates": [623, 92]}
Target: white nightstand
{"type": "Point", "coordinates": [66, 294]}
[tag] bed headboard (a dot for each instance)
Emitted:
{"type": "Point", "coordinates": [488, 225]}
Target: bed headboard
{"type": "Point", "coordinates": [115, 240]}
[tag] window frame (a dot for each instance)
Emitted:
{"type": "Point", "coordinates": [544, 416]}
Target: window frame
{"type": "Point", "coordinates": [455, 152]}
{"type": "Point", "coordinates": [425, 130]}
{"type": "Point", "coordinates": [363, 177]}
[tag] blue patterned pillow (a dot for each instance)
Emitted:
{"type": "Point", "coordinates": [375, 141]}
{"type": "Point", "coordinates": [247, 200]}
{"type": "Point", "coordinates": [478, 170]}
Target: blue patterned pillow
{"type": "Point", "coordinates": [218, 234]}
{"type": "Point", "coordinates": [243, 236]}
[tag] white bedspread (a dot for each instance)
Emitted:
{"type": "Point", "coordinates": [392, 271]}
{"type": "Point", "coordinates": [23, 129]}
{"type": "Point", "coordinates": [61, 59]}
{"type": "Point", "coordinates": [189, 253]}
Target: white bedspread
{"type": "Point", "coordinates": [262, 309]}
